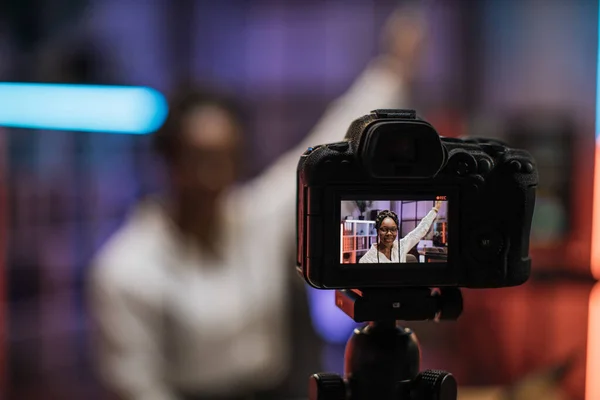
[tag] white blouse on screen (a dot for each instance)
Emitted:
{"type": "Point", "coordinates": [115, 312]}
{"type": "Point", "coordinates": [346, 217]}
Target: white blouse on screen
{"type": "Point", "coordinates": [401, 247]}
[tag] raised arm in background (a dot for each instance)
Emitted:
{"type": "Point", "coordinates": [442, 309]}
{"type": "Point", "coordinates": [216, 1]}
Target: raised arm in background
{"type": "Point", "coordinates": [384, 84]}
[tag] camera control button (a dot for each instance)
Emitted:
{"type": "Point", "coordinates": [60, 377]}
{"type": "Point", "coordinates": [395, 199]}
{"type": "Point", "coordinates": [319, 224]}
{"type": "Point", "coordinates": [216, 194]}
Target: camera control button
{"type": "Point", "coordinates": [486, 244]}
{"type": "Point", "coordinates": [461, 163]}
{"type": "Point", "coordinates": [341, 146]}
{"type": "Point", "coordinates": [528, 167]}
{"type": "Point", "coordinates": [485, 166]}
{"type": "Point", "coordinates": [515, 165]}
{"type": "Point", "coordinates": [462, 168]}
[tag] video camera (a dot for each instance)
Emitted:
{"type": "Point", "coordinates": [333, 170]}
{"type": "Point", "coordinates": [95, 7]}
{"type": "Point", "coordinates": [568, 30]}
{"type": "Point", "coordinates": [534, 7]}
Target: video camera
{"type": "Point", "coordinates": [451, 212]}
{"type": "Point", "coordinates": [442, 213]}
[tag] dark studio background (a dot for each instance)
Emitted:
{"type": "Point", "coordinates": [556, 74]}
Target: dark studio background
{"type": "Point", "coordinates": [524, 70]}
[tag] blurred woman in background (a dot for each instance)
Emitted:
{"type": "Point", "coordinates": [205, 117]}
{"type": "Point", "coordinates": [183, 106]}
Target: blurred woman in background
{"type": "Point", "coordinates": [189, 296]}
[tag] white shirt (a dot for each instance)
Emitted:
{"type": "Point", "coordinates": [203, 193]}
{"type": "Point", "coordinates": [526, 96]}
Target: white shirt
{"type": "Point", "coordinates": [400, 248]}
{"type": "Point", "coordinates": [168, 317]}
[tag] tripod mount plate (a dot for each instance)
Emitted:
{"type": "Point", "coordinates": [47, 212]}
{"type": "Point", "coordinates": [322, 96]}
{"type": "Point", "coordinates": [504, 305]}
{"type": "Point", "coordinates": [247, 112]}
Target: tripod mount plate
{"type": "Point", "coordinates": [407, 304]}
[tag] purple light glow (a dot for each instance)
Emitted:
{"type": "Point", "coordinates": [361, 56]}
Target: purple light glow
{"type": "Point", "coordinates": [329, 321]}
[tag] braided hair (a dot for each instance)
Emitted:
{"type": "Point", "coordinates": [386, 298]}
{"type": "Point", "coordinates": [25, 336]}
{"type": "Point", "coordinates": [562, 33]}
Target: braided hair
{"type": "Point", "coordinates": [379, 220]}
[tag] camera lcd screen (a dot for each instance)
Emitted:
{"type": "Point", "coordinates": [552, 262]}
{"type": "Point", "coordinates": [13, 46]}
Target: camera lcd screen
{"type": "Point", "coordinates": [407, 230]}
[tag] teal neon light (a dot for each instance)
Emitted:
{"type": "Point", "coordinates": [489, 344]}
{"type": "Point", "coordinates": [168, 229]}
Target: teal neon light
{"type": "Point", "coordinates": [89, 108]}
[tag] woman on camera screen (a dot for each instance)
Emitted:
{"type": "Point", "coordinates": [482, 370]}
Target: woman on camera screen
{"type": "Point", "coordinates": [388, 248]}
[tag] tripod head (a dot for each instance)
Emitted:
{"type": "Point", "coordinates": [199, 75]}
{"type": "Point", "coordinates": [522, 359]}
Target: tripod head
{"type": "Point", "coordinates": [382, 360]}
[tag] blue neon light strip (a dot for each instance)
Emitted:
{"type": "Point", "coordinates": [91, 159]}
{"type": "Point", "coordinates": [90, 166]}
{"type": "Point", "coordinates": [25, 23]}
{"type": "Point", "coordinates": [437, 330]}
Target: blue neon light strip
{"type": "Point", "coordinates": [89, 108]}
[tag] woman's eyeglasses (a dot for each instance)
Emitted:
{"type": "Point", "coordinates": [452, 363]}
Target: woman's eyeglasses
{"type": "Point", "coordinates": [388, 230]}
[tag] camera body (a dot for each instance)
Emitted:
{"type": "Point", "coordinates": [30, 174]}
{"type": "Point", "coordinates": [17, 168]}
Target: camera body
{"type": "Point", "coordinates": [477, 194]}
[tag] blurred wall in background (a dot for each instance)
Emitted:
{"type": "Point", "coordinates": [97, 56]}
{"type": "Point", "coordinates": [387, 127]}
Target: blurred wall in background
{"type": "Point", "coordinates": [536, 61]}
